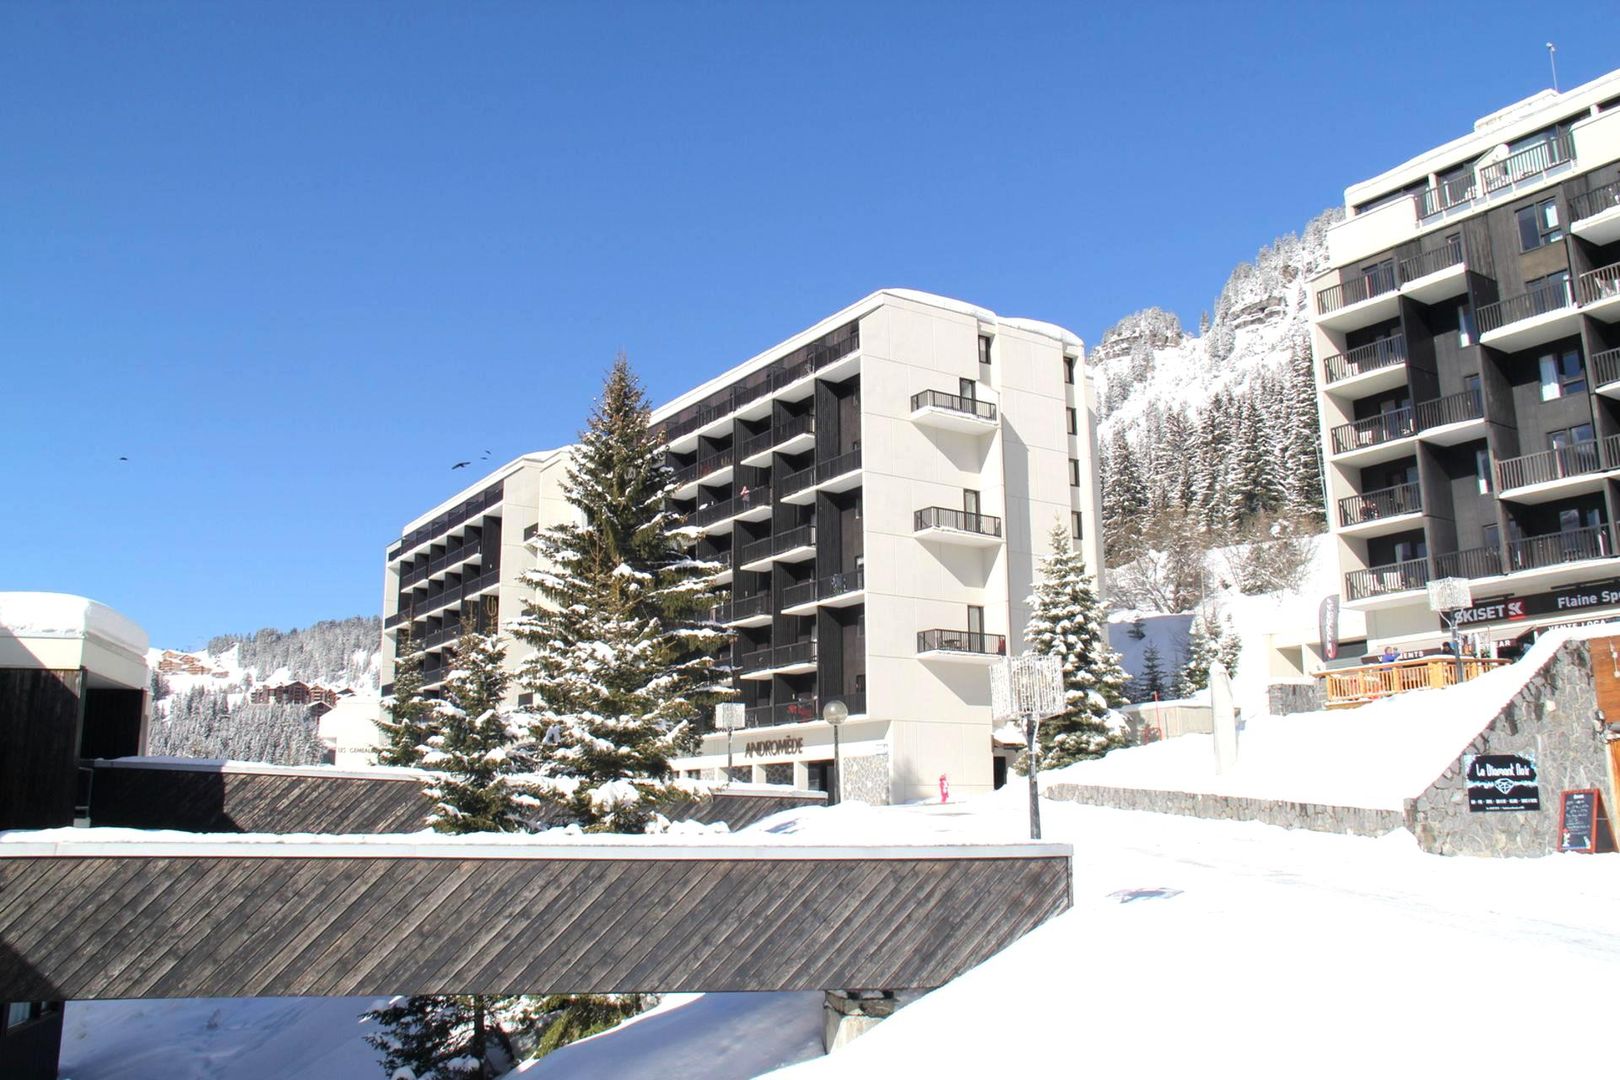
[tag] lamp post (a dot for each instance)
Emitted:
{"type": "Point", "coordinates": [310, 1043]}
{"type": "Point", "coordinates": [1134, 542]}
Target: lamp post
{"type": "Point", "coordinates": [729, 716]}
{"type": "Point", "coordinates": [835, 712]}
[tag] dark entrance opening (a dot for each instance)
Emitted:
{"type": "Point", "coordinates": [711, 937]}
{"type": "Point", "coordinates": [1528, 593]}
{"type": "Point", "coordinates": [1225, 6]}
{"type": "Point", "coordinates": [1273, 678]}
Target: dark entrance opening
{"type": "Point", "coordinates": [998, 770]}
{"type": "Point", "coordinates": [819, 776]}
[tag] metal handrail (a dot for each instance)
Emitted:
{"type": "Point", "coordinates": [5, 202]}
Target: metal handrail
{"type": "Point", "coordinates": [1469, 563]}
{"type": "Point", "coordinates": [448, 520]}
{"type": "Point", "coordinates": [1451, 409]}
{"type": "Point", "coordinates": [1553, 549]}
{"type": "Point", "coordinates": [1594, 202]}
{"type": "Point", "coordinates": [1383, 428]}
{"type": "Point", "coordinates": [1431, 262]}
{"type": "Point", "coordinates": [1388, 578]}
{"type": "Point", "coordinates": [1600, 284]}
{"type": "Point", "coordinates": [1606, 366]}
{"type": "Point", "coordinates": [818, 354]}
{"type": "Point", "coordinates": [1375, 282]}
{"type": "Point", "coordinates": [1383, 353]}
{"type": "Point", "coordinates": [821, 588]}
{"type": "Point", "coordinates": [939, 399]}
{"type": "Point", "coordinates": [1452, 192]}
{"type": "Point", "coordinates": [1576, 459]}
{"type": "Point", "coordinates": [1548, 297]}
{"type": "Point", "coordinates": [442, 561]}
{"type": "Point", "coordinates": [1382, 503]}
{"type": "Point", "coordinates": [943, 517]}
{"type": "Point", "coordinates": [965, 641]}
{"type": "Point", "coordinates": [1555, 150]}
{"type": "Point", "coordinates": [742, 608]}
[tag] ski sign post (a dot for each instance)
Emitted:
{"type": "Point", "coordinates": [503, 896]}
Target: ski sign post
{"type": "Point", "coordinates": [1030, 688]}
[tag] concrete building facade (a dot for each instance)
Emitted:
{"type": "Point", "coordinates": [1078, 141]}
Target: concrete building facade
{"type": "Point", "coordinates": [879, 489]}
{"type": "Point", "coordinates": [1467, 346]}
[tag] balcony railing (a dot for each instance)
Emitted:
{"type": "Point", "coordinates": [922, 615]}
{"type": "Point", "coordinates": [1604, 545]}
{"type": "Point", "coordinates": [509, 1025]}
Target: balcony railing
{"type": "Point", "coordinates": [1606, 366]}
{"type": "Point", "coordinates": [1572, 460]}
{"type": "Point", "coordinates": [709, 513]}
{"type": "Point", "coordinates": [939, 399]}
{"type": "Point", "coordinates": [1386, 579]}
{"type": "Point", "coordinates": [442, 561]}
{"type": "Point", "coordinates": [1541, 300]}
{"type": "Point", "coordinates": [1383, 428]}
{"type": "Point", "coordinates": [819, 473]}
{"type": "Point", "coordinates": [1452, 192]}
{"type": "Point", "coordinates": [1375, 282]}
{"type": "Point", "coordinates": [801, 536]}
{"type": "Point", "coordinates": [1431, 262]}
{"type": "Point", "coordinates": [1383, 353]}
{"type": "Point", "coordinates": [716, 461]}
{"type": "Point", "coordinates": [1452, 409]}
{"type": "Point", "coordinates": [803, 361]}
{"type": "Point", "coordinates": [941, 517]}
{"type": "Point", "coordinates": [1553, 549]}
{"type": "Point", "coordinates": [685, 474]}
{"type": "Point", "coordinates": [448, 520]}
{"type": "Point", "coordinates": [1383, 503]}
{"type": "Point", "coordinates": [1600, 284]}
{"type": "Point", "coordinates": [1469, 563]}
{"type": "Point", "coordinates": [963, 641]}
{"type": "Point", "coordinates": [742, 608]}
{"type": "Point", "coordinates": [832, 585]}
{"type": "Point", "coordinates": [1344, 688]}
{"type": "Point", "coordinates": [1528, 162]}
{"type": "Point", "coordinates": [794, 427]}
{"type": "Point", "coordinates": [416, 608]}
{"type": "Point", "coordinates": [1594, 202]}
{"type": "Point", "coordinates": [798, 652]}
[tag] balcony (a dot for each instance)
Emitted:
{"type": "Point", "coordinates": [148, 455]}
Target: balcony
{"type": "Point", "coordinates": [952, 412]}
{"type": "Point", "coordinates": [801, 711]}
{"type": "Point", "coordinates": [797, 658]}
{"type": "Point", "coordinates": [1595, 216]}
{"type": "Point", "coordinates": [415, 608]}
{"type": "Point", "coordinates": [1457, 191]}
{"type": "Point", "coordinates": [1599, 291]}
{"type": "Point", "coordinates": [1435, 275]}
{"type": "Point", "coordinates": [793, 436]}
{"type": "Point", "coordinates": [1534, 317]}
{"type": "Point", "coordinates": [1527, 164]}
{"type": "Point", "coordinates": [1390, 579]}
{"type": "Point", "coordinates": [1606, 372]}
{"type": "Point", "coordinates": [1380, 512]}
{"type": "Point", "coordinates": [1551, 474]}
{"type": "Point", "coordinates": [835, 474]}
{"type": "Point", "coordinates": [747, 611]}
{"type": "Point", "coordinates": [1455, 418]}
{"type": "Point", "coordinates": [1367, 298]}
{"type": "Point", "coordinates": [964, 646]}
{"type": "Point", "coordinates": [1559, 548]}
{"type": "Point", "coordinates": [459, 514]}
{"type": "Point", "coordinates": [1371, 440]}
{"type": "Point", "coordinates": [1477, 562]}
{"type": "Point", "coordinates": [795, 545]}
{"type": "Point", "coordinates": [835, 590]}
{"type": "Point", "coordinates": [440, 563]}
{"type": "Point", "coordinates": [957, 527]}
{"type": "Point", "coordinates": [1386, 356]}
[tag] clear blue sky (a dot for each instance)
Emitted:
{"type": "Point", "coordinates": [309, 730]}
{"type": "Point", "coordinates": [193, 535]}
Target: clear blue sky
{"type": "Point", "coordinates": [295, 260]}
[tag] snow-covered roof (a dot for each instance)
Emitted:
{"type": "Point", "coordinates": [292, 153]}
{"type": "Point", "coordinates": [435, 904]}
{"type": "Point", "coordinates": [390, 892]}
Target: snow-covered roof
{"type": "Point", "coordinates": [219, 765]}
{"type": "Point", "coordinates": [63, 615]}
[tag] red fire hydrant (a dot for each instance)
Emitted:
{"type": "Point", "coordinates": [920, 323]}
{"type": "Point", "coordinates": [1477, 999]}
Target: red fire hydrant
{"type": "Point", "coordinates": [944, 788]}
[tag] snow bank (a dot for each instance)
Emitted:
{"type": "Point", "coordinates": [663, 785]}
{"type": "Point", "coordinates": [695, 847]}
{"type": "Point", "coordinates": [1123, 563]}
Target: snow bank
{"type": "Point", "coordinates": [63, 615]}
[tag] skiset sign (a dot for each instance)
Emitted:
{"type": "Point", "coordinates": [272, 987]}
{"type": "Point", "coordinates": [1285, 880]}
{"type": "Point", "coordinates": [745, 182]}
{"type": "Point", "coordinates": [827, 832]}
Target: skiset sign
{"type": "Point", "coordinates": [1512, 608]}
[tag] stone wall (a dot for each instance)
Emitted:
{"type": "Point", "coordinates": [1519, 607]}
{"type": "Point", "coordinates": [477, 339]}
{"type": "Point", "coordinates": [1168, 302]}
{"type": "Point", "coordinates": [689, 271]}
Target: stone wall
{"type": "Point", "coordinates": [1287, 698]}
{"type": "Point", "coordinates": [866, 779]}
{"type": "Point", "coordinates": [1551, 717]}
{"type": "Point", "coordinates": [1355, 820]}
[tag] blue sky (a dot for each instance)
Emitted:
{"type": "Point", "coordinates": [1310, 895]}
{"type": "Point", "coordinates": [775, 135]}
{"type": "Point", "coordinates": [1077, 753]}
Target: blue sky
{"type": "Point", "coordinates": [295, 260]}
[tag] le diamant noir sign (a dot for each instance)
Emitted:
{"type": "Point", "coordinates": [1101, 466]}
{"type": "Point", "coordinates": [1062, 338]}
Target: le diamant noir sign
{"type": "Point", "coordinates": [1501, 782]}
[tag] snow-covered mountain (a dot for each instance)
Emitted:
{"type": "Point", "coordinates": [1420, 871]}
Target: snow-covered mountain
{"type": "Point", "coordinates": [1219, 424]}
{"type": "Point", "coordinates": [337, 653]}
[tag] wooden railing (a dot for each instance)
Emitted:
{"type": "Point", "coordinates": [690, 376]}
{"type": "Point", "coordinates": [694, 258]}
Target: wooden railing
{"type": "Point", "coordinates": [1344, 688]}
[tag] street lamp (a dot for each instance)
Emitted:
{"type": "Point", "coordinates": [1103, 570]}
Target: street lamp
{"type": "Point", "coordinates": [729, 716]}
{"type": "Point", "coordinates": [835, 712]}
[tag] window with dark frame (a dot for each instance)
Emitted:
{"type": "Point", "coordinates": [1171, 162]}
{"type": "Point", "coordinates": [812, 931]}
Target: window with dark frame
{"type": "Point", "coordinates": [1562, 374]}
{"type": "Point", "coordinates": [1539, 225]}
{"type": "Point", "coordinates": [1074, 422]}
{"type": "Point", "coordinates": [1074, 472]}
{"type": "Point", "coordinates": [984, 349]}
{"type": "Point", "coordinates": [1079, 530]}
{"type": "Point", "coordinates": [1068, 369]}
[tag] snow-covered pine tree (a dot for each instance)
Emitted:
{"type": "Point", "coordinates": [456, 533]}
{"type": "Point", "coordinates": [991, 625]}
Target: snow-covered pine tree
{"type": "Point", "coordinates": [1151, 683]}
{"type": "Point", "coordinates": [1209, 638]}
{"type": "Point", "coordinates": [449, 1038]}
{"type": "Point", "coordinates": [408, 724]}
{"type": "Point", "coordinates": [475, 744]}
{"type": "Point", "coordinates": [1067, 620]}
{"type": "Point", "coordinates": [625, 665]}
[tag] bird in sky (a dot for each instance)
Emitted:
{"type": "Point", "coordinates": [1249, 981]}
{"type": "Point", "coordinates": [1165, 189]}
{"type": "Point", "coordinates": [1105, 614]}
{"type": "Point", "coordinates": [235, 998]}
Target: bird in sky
{"type": "Point", "coordinates": [122, 458]}
{"type": "Point", "coordinates": [486, 454]}
{"type": "Point", "coordinates": [460, 465]}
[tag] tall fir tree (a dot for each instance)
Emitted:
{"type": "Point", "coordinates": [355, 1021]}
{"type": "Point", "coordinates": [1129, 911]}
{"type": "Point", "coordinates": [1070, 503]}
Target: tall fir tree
{"type": "Point", "coordinates": [625, 667]}
{"type": "Point", "coordinates": [1151, 683]}
{"type": "Point", "coordinates": [1067, 620]}
{"type": "Point", "coordinates": [476, 743]}
{"type": "Point", "coordinates": [1209, 638]}
{"type": "Point", "coordinates": [409, 715]}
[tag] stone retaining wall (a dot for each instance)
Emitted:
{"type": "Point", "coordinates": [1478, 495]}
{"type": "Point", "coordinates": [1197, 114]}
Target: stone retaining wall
{"type": "Point", "coordinates": [1287, 698]}
{"type": "Point", "coordinates": [1355, 820]}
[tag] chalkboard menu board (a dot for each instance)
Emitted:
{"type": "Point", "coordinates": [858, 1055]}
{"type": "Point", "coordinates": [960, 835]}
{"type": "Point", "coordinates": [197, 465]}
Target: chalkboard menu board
{"type": "Point", "coordinates": [1580, 821]}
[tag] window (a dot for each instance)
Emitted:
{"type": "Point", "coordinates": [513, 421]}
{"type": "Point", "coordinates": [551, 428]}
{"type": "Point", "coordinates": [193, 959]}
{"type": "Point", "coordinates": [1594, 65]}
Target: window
{"type": "Point", "coordinates": [1571, 436]}
{"type": "Point", "coordinates": [1079, 532]}
{"type": "Point", "coordinates": [1538, 225]}
{"type": "Point", "coordinates": [968, 389]}
{"type": "Point", "coordinates": [1074, 472]}
{"type": "Point", "coordinates": [1562, 374]}
{"type": "Point", "coordinates": [1074, 422]}
{"type": "Point", "coordinates": [1068, 369]}
{"type": "Point", "coordinates": [975, 619]}
{"type": "Point", "coordinates": [1492, 535]}
{"type": "Point", "coordinates": [1465, 324]}
{"type": "Point", "coordinates": [1408, 550]}
{"type": "Point", "coordinates": [970, 503]}
{"type": "Point", "coordinates": [1482, 470]}
{"type": "Point", "coordinates": [984, 350]}
{"type": "Point", "coordinates": [1570, 520]}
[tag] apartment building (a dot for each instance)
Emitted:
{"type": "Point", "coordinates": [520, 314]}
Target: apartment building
{"type": "Point", "coordinates": [1467, 340]}
{"type": "Point", "coordinates": [879, 488]}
